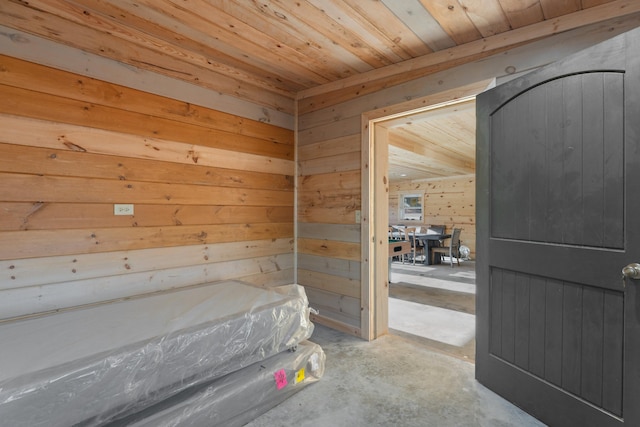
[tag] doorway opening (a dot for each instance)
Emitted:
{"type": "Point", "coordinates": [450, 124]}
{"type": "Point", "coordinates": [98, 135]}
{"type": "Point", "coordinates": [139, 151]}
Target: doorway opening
{"type": "Point", "coordinates": [431, 303]}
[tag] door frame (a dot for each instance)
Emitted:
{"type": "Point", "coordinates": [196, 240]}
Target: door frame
{"type": "Point", "coordinates": [375, 201]}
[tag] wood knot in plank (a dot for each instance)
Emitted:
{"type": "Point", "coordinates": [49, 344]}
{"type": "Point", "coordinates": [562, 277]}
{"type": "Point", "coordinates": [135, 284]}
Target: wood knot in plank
{"type": "Point", "coordinates": [73, 147]}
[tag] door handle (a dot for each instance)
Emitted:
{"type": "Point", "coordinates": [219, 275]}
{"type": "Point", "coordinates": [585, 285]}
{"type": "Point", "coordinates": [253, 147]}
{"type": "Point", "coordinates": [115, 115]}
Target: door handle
{"type": "Point", "coordinates": [631, 271]}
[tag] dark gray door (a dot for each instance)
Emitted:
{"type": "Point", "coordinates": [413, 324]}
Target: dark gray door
{"type": "Point", "coordinates": [558, 212]}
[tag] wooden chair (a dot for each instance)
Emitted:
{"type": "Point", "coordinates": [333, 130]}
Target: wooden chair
{"type": "Point", "coordinates": [410, 234]}
{"type": "Point", "coordinates": [452, 250]}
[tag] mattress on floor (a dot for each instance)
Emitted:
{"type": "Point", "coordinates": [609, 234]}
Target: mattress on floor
{"type": "Point", "coordinates": [239, 397]}
{"type": "Point", "coordinates": [92, 364]}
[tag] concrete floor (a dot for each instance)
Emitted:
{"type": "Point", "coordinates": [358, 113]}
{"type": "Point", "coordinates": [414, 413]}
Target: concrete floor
{"type": "Point", "coordinates": [401, 379]}
{"type": "Point", "coordinates": [392, 381]}
{"type": "Point", "coordinates": [435, 305]}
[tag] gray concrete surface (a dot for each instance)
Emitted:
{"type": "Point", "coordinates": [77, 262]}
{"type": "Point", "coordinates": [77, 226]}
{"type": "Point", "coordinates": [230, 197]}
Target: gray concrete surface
{"type": "Point", "coordinates": [392, 381]}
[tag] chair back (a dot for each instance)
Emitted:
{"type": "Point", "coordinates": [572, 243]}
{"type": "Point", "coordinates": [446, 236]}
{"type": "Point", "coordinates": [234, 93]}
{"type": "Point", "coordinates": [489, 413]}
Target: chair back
{"type": "Point", "coordinates": [410, 233]}
{"type": "Point", "coordinates": [455, 238]}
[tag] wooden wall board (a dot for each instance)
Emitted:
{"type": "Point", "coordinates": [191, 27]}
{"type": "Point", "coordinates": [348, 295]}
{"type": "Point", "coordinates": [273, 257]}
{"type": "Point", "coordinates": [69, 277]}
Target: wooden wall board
{"type": "Point", "coordinates": [324, 165]}
{"type": "Point", "coordinates": [332, 323]}
{"type": "Point", "coordinates": [329, 131]}
{"type": "Point", "coordinates": [329, 282]}
{"type": "Point", "coordinates": [341, 232]}
{"type": "Point", "coordinates": [60, 269]}
{"type": "Point", "coordinates": [59, 109]}
{"type": "Point", "coordinates": [330, 266]}
{"type": "Point", "coordinates": [40, 243]}
{"type": "Point", "coordinates": [329, 248]}
{"type": "Point", "coordinates": [53, 216]}
{"type": "Point", "coordinates": [41, 133]}
{"type": "Point", "coordinates": [325, 181]}
{"type": "Point", "coordinates": [343, 308]}
{"type": "Point", "coordinates": [60, 57]}
{"type": "Point", "coordinates": [28, 188]}
{"type": "Point", "coordinates": [343, 145]}
{"type": "Point", "coordinates": [48, 298]}
{"type": "Point", "coordinates": [348, 198]}
{"type": "Point", "coordinates": [269, 279]}
{"type": "Point", "coordinates": [332, 215]}
{"type": "Point", "coordinates": [51, 81]}
{"type": "Point", "coordinates": [71, 150]}
{"type": "Point", "coordinates": [68, 162]}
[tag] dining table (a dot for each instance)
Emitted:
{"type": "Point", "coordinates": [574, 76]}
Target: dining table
{"type": "Point", "coordinates": [430, 240]}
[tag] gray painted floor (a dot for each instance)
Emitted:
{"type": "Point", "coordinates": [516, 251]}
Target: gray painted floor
{"type": "Point", "coordinates": [411, 377]}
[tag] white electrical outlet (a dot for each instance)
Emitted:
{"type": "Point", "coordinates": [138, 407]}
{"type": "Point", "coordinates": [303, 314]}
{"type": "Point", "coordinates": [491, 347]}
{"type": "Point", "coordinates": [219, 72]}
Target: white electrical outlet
{"type": "Point", "coordinates": [357, 217]}
{"type": "Point", "coordinates": [120, 209]}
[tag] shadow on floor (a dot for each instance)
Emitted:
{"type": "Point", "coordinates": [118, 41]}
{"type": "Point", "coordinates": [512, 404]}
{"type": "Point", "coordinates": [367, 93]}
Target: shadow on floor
{"type": "Point", "coordinates": [435, 305]}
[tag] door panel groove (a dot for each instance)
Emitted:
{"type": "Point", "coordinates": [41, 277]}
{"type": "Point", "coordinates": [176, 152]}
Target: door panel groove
{"type": "Point", "coordinates": [565, 333]}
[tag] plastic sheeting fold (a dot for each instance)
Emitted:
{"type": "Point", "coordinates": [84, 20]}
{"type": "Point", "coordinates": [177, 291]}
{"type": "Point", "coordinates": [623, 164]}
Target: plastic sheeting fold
{"type": "Point", "coordinates": [239, 397]}
{"type": "Point", "coordinates": [94, 364]}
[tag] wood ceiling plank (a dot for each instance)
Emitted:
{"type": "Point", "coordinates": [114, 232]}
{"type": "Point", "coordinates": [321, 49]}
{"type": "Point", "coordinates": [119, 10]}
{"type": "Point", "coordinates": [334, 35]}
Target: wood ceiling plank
{"type": "Point", "coordinates": [420, 151]}
{"type": "Point", "coordinates": [593, 3]}
{"type": "Point", "coordinates": [454, 137]}
{"type": "Point", "coordinates": [207, 40]}
{"type": "Point", "coordinates": [250, 43]}
{"type": "Point", "coordinates": [327, 58]}
{"type": "Point", "coordinates": [430, 166]}
{"type": "Point", "coordinates": [431, 140]}
{"type": "Point", "coordinates": [317, 20]}
{"type": "Point", "coordinates": [453, 19]}
{"type": "Point", "coordinates": [555, 8]}
{"type": "Point", "coordinates": [399, 173]}
{"type": "Point", "coordinates": [395, 28]}
{"type": "Point", "coordinates": [521, 13]}
{"type": "Point", "coordinates": [421, 23]}
{"type": "Point", "coordinates": [377, 19]}
{"type": "Point", "coordinates": [367, 34]}
{"type": "Point", "coordinates": [284, 25]}
{"type": "Point", "coordinates": [487, 16]}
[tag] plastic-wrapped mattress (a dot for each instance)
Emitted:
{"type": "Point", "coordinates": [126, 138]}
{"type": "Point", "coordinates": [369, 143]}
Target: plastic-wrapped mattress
{"type": "Point", "coordinates": [94, 364]}
{"type": "Point", "coordinates": [239, 397]}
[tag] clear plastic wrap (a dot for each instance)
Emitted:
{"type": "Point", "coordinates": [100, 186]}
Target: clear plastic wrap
{"type": "Point", "coordinates": [91, 365]}
{"type": "Point", "coordinates": [239, 397]}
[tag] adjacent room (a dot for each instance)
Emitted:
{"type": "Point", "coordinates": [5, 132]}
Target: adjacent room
{"type": "Point", "coordinates": [201, 201]}
{"type": "Point", "coordinates": [431, 197]}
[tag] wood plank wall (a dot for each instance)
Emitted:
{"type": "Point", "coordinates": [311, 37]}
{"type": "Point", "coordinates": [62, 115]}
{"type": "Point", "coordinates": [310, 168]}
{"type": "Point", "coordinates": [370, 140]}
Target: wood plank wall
{"type": "Point", "coordinates": [329, 158]}
{"type": "Point", "coordinates": [449, 201]}
{"type": "Point", "coordinates": [213, 193]}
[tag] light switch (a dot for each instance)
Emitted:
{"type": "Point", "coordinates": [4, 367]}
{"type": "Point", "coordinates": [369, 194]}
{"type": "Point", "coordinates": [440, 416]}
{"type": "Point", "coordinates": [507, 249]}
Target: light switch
{"type": "Point", "coordinates": [358, 217]}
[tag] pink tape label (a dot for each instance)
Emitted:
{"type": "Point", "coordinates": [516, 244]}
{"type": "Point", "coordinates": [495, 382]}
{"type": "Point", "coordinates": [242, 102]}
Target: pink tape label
{"type": "Point", "coordinates": [281, 379]}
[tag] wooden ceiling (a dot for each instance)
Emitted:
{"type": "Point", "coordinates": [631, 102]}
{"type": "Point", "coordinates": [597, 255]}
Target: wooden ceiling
{"type": "Point", "coordinates": [270, 50]}
{"type": "Point", "coordinates": [436, 143]}
{"type": "Point", "coordinates": [274, 52]}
